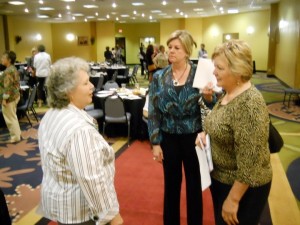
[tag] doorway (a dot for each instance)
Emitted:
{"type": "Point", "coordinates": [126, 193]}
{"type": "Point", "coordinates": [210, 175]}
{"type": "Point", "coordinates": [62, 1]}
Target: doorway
{"type": "Point", "coordinates": [120, 42]}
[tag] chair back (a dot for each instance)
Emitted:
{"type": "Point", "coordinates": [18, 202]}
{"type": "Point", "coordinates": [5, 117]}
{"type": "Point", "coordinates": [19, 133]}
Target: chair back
{"type": "Point", "coordinates": [114, 107]}
{"type": "Point", "coordinates": [31, 97]}
{"type": "Point", "coordinates": [135, 69]}
{"type": "Point", "coordinates": [114, 76]}
{"type": "Point", "coordinates": [110, 84]}
{"type": "Point", "coordinates": [100, 83]}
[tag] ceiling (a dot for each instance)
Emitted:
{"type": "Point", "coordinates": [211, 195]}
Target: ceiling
{"type": "Point", "coordinates": [125, 12]}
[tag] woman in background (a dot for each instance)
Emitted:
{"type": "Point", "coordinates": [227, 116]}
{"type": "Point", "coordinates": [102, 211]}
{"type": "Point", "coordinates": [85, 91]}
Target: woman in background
{"type": "Point", "coordinates": [10, 95]}
{"type": "Point", "coordinates": [78, 164]}
{"type": "Point", "coordinates": [238, 127]}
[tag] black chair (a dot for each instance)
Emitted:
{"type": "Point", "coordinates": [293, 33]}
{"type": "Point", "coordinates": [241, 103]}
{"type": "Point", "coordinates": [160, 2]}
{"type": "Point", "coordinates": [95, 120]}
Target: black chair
{"type": "Point", "coordinates": [146, 70]}
{"type": "Point", "coordinates": [114, 112]}
{"type": "Point", "coordinates": [99, 84]}
{"type": "Point", "coordinates": [28, 105]}
{"type": "Point", "coordinates": [289, 92]}
{"type": "Point", "coordinates": [132, 75]}
{"type": "Point", "coordinates": [123, 78]}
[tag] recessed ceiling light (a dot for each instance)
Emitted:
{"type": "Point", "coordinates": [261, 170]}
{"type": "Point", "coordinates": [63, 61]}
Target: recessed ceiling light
{"type": "Point", "coordinates": [77, 14]}
{"type": "Point", "coordinates": [90, 17]}
{"type": "Point", "coordinates": [101, 19]}
{"type": "Point", "coordinates": [114, 5]}
{"type": "Point", "coordinates": [16, 3]}
{"type": "Point", "coordinates": [68, 0]}
{"type": "Point", "coordinates": [124, 15]}
{"type": "Point", "coordinates": [190, 1]}
{"type": "Point", "coordinates": [43, 16]}
{"type": "Point", "coordinates": [46, 8]}
{"type": "Point", "coordinates": [198, 9]}
{"type": "Point", "coordinates": [26, 10]}
{"type": "Point", "coordinates": [155, 11]}
{"type": "Point", "coordinates": [137, 3]}
{"type": "Point", "coordinates": [90, 6]}
{"type": "Point", "coordinates": [164, 3]}
{"type": "Point", "coordinates": [232, 11]}
{"type": "Point", "coordinates": [41, 2]}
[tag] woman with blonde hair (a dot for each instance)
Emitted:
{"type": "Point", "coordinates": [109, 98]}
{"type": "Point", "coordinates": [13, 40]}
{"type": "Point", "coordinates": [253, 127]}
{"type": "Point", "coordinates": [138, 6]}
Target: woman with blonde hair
{"type": "Point", "coordinates": [174, 121]}
{"type": "Point", "coordinates": [238, 127]}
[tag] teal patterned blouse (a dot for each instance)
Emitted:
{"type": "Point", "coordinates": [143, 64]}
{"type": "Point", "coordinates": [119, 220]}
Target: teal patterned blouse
{"type": "Point", "coordinates": [171, 112]}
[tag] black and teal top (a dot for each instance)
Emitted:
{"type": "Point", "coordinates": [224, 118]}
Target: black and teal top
{"type": "Point", "coordinates": [171, 111]}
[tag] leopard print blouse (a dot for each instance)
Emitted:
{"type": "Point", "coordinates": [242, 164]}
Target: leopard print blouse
{"type": "Point", "coordinates": [239, 140]}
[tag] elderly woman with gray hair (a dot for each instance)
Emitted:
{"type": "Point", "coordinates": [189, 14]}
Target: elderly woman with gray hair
{"type": "Point", "coordinates": [78, 164]}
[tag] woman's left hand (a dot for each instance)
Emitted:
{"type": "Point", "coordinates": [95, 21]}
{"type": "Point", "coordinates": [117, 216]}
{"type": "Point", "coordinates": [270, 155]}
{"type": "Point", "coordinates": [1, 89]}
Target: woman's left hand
{"type": "Point", "coordinates": [229, 211]}
{"type": "Point", "coordinates": [208, 92]}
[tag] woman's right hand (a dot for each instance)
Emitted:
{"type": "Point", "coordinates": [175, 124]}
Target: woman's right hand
{"type": "Point", "coordinates": [157, 153]}
{"type": "Point", "coordinates": [201, 140]}
{"type": "Point", "coordinates": [117, 220]}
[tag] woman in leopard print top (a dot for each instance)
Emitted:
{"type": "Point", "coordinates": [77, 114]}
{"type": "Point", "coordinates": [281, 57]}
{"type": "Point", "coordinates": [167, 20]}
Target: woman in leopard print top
{"type": "Point", "coordinates": [238, 127]}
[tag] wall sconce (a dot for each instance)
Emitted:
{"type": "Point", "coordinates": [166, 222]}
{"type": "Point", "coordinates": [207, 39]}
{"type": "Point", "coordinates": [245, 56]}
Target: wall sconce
{"type": "Point", "coordinates": [149, 40]}
{"type": "Point", "coordinates": [70, 37]}
{"type": "Point", "coordinates": [18, 39]}
{"type": "Point", "coordinates": [250, 30]}
{"type": "Point", "coordinates": [38, 37]}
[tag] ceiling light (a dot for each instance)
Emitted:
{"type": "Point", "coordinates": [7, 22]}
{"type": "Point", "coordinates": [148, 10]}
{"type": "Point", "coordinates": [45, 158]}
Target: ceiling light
{"type": "Point", "coordinates": [16, 3]}
{"type": "Point", "coordinates": [59, 15]}
{"type": "Point", "coordinates": [26, 10]}
{"type": "Point", "coordinates": [96, 14]}
{"type": "Point", "coordinates": [85, 20]}
{"type": "Point", "coordinates": [43, 16]}
{"type": "Point", "coordinates": [38, 37]}
{"type": "Point", "coordinates": [232, 11]}
{"type": "Point", "coordinates": [73, 18]}
{"type": "Point", "coordinates": [41, 2]}
{"type": "Point", "coordinates": [134, 12]}
{"type": "Point", "coordinates": [68, 7]}
{"type": "Point", "coordinates": [177, 10]}
{"type": "Point", "coordinates": [107, 16]}
{"type": "Point", "coordinates": [124, 15]}
{"type": "Point", "coordinates": [117, 18]}
{"type": "Point", "coordinates": [114, 5]}
{"type": "Point", "coordinates": [190, 1]}
{"type": "Point", "coordinates": [186, 16]}
{"type": "Point", "coordinates": [101, 19]}
{"type": "Point", "coordinates": [150, 17]}
{"type": "Point", "coordinates": [46, 8]}
{"type": "Point", "coordinates": [143, 15]}
{"type": "Point", "coordinates": [155, 11]}
{"type": "Point", "coordinates": [77, 14]}
{"type": "Point", "coordinates": [68, 0]}
{"type": "Point", "coordinates": [137, 3]}
{"type": "Point", "coordinates": [90, 6]}
{"type": "Point", "coordinates": [90, 17]}
{"type": "Point", "coordinates": [198, 9]}
{"type": "Point", "coordinates": [164, 3]}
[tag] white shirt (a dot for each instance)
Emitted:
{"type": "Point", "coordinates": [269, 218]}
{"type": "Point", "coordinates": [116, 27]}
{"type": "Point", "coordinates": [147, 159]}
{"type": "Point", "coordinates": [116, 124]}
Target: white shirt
{"type": "Point", "coordinates": [78, 168]}
{"type": "Point", "coordinates": [42, 64]}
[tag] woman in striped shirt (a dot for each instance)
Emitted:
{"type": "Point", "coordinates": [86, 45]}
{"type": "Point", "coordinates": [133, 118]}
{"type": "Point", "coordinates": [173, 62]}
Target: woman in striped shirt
{"type": "Point", "coordinates": [78, 164]}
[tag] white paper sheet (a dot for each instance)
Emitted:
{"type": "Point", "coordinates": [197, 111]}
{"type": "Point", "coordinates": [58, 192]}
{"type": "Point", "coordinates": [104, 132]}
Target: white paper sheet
{"type": "Point", "coordinates": [204, 75]}
{"type": "Point", "coordinates": [205, 162]}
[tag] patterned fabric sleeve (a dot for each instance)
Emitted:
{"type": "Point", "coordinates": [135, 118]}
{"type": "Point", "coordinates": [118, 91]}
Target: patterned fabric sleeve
{"type": "Point", "coordinates": [11, 84]}
{"type": "Point", "coordinates": [154, 115]}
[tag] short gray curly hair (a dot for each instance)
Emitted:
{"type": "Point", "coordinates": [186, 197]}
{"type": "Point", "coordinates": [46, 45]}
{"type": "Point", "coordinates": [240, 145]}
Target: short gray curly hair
{"type": "Point", "coordinates": [63, 78]}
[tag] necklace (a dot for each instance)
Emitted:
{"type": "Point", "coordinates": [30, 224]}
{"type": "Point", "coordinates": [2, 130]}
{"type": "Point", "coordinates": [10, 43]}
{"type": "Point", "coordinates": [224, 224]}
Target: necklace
{"type": "Point", "coordinates": [176, 81]}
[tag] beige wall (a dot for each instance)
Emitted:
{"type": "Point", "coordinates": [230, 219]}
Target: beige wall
{"type": "Point", "coordinates": [105, 37]}
{"type": "Point", "coordinates": [133, 32]}
{"type": "Point", "coordinates": [2, 42]}
{"type": "Point", "coordinates": [214, 27]}
{"type": "Point", "coordinates": [288, 48]}
{"type": "Point", "coordinates": [28, 30]}
{"type": "Point", "coordinates": [64, 48]}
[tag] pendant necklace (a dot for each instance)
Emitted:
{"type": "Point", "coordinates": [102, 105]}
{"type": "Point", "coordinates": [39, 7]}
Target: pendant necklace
{"type": "Point", "coordinates": [176, 81]}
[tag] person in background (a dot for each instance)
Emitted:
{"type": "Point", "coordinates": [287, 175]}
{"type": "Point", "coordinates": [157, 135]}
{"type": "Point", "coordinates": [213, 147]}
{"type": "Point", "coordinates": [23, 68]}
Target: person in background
{"type": "Point", "coordinates": [142, 58]}
{"type": "Point", "coordinates": [41, 64]}
{"type": "Point", "coordinates": [174, 120]}
{"type": "Point", "coordinates": [77, 163]}
{"type": "Point", "coordinates": [238, 127]}
{"type": "Point", "coordinates": [149, 60]}
{"type": "Point", "coordinates": [161, 59]}
{"type": "Point", "coordinates": [10, 95]}
{"type": "Point", "coordinates": [30, 68]}
{"type": "Point", "coordinates": [202, 52]}
{"type": "Point", "coordinates": [108, 55]}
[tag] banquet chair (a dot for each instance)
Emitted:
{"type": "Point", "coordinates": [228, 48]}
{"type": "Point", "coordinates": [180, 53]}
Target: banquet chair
{"type": "Point", "coordinates": [110, 84]}
{"type": "Point", "coordinates": [97, 114]}
{"type": "Point", "coordinates": [28, 105]}
{"type": "Point", "coordinates": [99, 85]}
{"type": "Point", "coordinates": [123, 78]}
{"type": "Point", "coordinates": [132, 75]}
{"type": "Point", "coordinates": [146, 70]}
{"type": "Point", "coordinates": [114, 112]}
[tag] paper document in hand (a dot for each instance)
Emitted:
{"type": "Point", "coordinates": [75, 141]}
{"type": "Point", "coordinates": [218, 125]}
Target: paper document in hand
{"type": "Point", "coordinates": [204, 170]}
{"type": "Point", "coordinates": [204, 75]}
